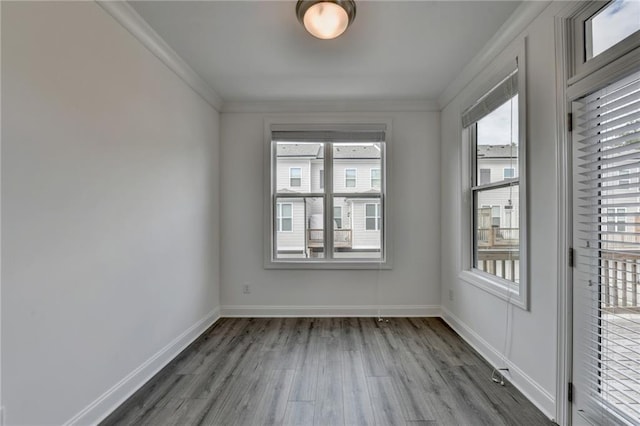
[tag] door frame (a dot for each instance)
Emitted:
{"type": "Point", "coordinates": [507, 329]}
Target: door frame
{"type": "Point", "coordinates": [571, 85]}
{"type": "Point", "coordinates": [564, 167]}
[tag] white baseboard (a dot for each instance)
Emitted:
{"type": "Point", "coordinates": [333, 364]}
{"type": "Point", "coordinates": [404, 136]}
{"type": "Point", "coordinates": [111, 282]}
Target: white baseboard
{"type": "Point", "coordinates": [99, 409]}
{"type": "Point", "coordinates": [331, 311]}
{"type": "Point", "coordinates": [120, 392]}
{"type": "Point", "coordinates": [518, 378]}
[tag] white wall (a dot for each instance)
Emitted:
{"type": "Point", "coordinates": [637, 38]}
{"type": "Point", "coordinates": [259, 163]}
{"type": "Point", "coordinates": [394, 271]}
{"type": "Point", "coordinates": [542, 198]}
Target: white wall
{"type": "Point", "coordinates": [479, 316]}
{"type": "Point", "coordinates": [415, 216]}
{"type": "Point", "coordinates": [110, 193]}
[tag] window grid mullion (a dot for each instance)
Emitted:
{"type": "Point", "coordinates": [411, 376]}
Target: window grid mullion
{"type": "Point", "coordinates": [274, 200]}
{"type": "Point", "coordinates": [328, 201]}
{"type": "Point", "coordinates": [505, 183]}
{"type": "Point", "coordinates": [474, 194]}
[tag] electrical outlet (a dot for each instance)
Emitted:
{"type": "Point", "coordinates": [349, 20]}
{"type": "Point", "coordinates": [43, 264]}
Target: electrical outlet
{"type": "Point", "coordinates": [451, 295]}
{"type": "Point", "coordinates": [246, 289]}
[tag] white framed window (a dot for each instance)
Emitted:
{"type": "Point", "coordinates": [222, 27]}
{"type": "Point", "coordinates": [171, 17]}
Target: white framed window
{"type": "Point", "coordinates": [376, 178]}
{"type": "Point", "coordinates": [350, 178]}
{"type": "Point", "coordinates": [372, 216]}
{"type": "Point", "coordinates": [494, 132]}
{"type": "Point", "coordinates": [295, 177]}
{"type": "Point", "coordinates": [616, 219]}
{"type": "Point", "coordinates": [508, 172]}
{"type": "Point", "coordinates": [485, 176]}
{"type": "Point", "coordinates": [337, 216]}
{"type": "Point", "coordinates": [284, 217]}
{"type": "Point", "coordinates": [327, 222]}
{"type": "Point", "coordinates": [624, 177]}
{"type": "Point", "coordinates": [495, 216]}
{"type": "Point", "coordinates": [508, 218]}
{"type": "Point", "coordinates": [604, 31]}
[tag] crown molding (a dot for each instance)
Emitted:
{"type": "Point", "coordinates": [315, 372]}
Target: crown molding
{"type": "Point", "coordinates": [122, 12]}
{"type": "Point", "coordinates": [303, 106]}
{"type": "Point", "coordinates": [516, 24]}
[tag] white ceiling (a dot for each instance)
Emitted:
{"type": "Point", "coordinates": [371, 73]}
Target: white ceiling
{"type": "Point", "coordinates": [395, 50]}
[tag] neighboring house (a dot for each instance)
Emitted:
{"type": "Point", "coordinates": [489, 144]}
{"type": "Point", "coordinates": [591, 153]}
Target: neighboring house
{"type": "Point", "coordinates": [498, 208]}
{"type": "Point", "coordinates": [498, 212]}
{"type": "Point", "coordinates": [300, 221]}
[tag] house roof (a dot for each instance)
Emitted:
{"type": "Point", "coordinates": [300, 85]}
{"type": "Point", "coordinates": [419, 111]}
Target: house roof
{"type": "Point", "coordinates": [299, 150]}
{"type": "Point", "coordinates": [497, 151]}
{"type": "Point", "coordinates": [314, 150]}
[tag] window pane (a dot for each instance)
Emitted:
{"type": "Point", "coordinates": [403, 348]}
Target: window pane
{"type": "Point", "coordinates": [360, 236]}
{"type": "Point", "coordinates": [485, 176]}
{"type": "Point", "coordinates": [497, 143]}
{"type": "Point", "coordinates": [371, 209]}
{"type": "Point", "coordinates": [613, 24]}
{"type": "Point", "coordinates": [352, 167]}
{"type": "Point", "coordinates": [350, 178]}
{"type": "Point", "coordinates": [297, 166]}
{"type": "Point", "coordinates": [497, 245]}
{"type": "Point", "coordinates": [375, 178]}
{"type": "Point", "coordinates": [321, 180]}
{"type": "Point", "coordinates": [299, 228]}
{"type": "Point", "coordinates": [337, 216]}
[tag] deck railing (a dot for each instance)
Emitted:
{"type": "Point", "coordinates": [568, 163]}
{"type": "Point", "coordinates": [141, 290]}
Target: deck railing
{"type": "Point", "coordinates": [498, 251]}
{"type": "Point", "coordinates": [341, 238]}
{"type": "Point", "coordinates": [498, 255]}
{"type": "Point", "coordinates": [501, 263]}
{"type": "Point", "coordinates": [498, 237]}
{"type": "Point", "coordinates": [620, 285]}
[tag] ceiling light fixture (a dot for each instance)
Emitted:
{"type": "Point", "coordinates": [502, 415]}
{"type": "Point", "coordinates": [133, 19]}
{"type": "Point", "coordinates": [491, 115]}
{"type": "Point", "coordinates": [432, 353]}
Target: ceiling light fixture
{"type": "Point", "coordinates": [326, 19]}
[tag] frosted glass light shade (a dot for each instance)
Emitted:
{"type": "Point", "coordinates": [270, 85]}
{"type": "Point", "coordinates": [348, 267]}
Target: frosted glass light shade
{"type": "Point", "coordinates": [326, 19]}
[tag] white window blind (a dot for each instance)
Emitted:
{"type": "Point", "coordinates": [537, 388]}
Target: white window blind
{"type": "Point", "coordinates": [606, 290]}
{"type": "Point", "coordinates": [497, 96]}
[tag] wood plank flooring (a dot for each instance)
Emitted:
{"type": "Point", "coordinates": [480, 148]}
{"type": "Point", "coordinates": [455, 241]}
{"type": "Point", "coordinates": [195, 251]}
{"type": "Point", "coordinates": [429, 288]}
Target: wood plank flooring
{"type": "Point", "coordinates": [327, 371]}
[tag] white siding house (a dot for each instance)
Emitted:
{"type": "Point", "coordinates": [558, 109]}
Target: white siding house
{"type": "Point", "coordinates": [356, 169]}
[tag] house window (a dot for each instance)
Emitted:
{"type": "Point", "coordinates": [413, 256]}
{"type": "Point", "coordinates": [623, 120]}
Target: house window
{"type": "Point", "coordinates": [624, 177]}
{"type": "Point", "coordinates": [337, 216]}
{"type": "Point", "coordinates": [284, 217]}
{"type": "Point", "coordinates": [375, 178]}
{"type": "Point", "coordinates": [509, 172]}
{"type": "Point", "coordinates": [508, 219]}
{"type": "Point", "coordinates": [603, 32]}
{"type": "Point", "coordinates": [350, 176]}
{"type": "Point", "coordinates": [617, 220]}
{"type": "Point", "coordinates": [331, 220]}
{"type": "Point", "coordinates": [372, 217]}
{"type": "Point", "coordinates": [485, 176]}
{"type": "Point", "coordinates": [613, 23]}
{"type": "Point", "coordinates": [295, 177]}
{"type": "Point", "coordinates": [495, 216]}
{"type": "Point", "coordinates": [496, 239]}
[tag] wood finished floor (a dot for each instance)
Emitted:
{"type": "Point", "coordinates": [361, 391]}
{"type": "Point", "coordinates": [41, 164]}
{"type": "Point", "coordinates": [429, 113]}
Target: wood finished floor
{"type": "Point", "coordinates": [327, 371]}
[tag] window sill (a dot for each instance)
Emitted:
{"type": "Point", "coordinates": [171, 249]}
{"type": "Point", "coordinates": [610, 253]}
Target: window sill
{"type": "Point", "coordinates": [323, 265]}
{"type": "Point", "coordinates": [498, 287]}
